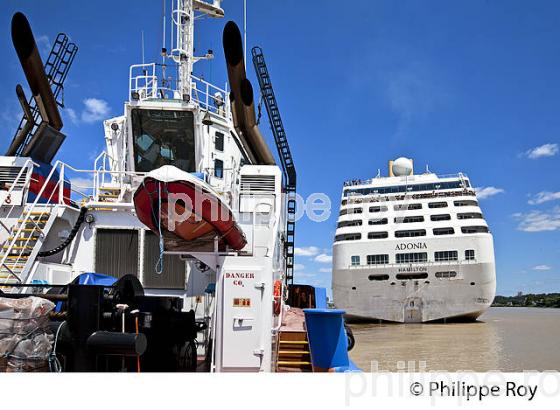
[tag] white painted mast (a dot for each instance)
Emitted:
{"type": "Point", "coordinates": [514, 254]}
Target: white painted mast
{"type": "Point", "coordinates": [182, 35]}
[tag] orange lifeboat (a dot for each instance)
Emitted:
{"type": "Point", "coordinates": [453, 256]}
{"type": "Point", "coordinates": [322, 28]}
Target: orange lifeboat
{"type": "Point", "coordinates": [174, 201]}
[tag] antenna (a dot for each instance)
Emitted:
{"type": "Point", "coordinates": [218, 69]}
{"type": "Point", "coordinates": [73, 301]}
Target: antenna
{"type": "Point", "coordinates": [163, 48]}
{"type": "Point", "coordinates": [143, 62]}
{"type": "Point", "coordinates": [245, 31]}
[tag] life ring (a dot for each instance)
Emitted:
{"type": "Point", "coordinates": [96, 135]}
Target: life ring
{"type": "Point", "coordinates": [277, 304]}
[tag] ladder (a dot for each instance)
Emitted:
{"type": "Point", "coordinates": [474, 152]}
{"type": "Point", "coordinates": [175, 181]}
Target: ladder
{"type": "Point", "coordinates": [25, 240]}
{"type": "Point", "coordinates": [57, 66]}
{"type": "Point", "coordinates": [288, 167]}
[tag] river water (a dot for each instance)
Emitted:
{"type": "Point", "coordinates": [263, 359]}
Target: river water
{"type": "Point", "coordinates": [503, 339]}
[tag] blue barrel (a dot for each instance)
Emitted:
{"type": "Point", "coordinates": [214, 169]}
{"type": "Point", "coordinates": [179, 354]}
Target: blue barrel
{"type": "Point", "coordinates": [327, 338]}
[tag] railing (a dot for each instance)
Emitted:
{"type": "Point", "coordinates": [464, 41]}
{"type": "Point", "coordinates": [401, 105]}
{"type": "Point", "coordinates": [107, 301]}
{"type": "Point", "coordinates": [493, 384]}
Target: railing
{"type": "Point", "coordinates": [144, 84]}
{"type": "Point", "coordinates": [353, 182]}
{"type": "Point", "coordinates": [414, 264]}
{"type": "Point", "coordinates": [27, 216]}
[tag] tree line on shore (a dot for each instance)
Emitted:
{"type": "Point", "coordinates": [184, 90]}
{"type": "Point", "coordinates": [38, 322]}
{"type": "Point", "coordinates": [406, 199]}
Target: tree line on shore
{"type": "Point", "coordinates": [549, 300]}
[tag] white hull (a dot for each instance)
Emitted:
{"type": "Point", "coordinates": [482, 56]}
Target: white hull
{"type": "Point", "coordinates": [415, 300]}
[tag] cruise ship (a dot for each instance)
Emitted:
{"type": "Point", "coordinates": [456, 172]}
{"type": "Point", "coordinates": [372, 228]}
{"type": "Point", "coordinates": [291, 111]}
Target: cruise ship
{"type": "Point", "coordinates": [412, 248]}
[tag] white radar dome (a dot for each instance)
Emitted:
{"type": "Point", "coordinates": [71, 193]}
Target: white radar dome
{"type": "Point", "coordinates": [402, 167]}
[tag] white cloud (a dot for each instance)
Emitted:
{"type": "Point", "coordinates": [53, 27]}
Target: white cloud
{"type": "Point", "coordinates": [44, 45]}
{"type": "Point", "coordinates": [307, 251]}
{"type": "Point", "coordinates": [325, 270]}
{"type": "Point", "coordinates": [81, 182]}
{"type": "Point", "coordinates": [71, 115]}
{"type": "Point", "coordinates": [546, 150]}
{"type": "Point", "coordinates": [542, 267]}
{"type": "Point", "coordinates": [95, 110]}
{"type": "Point", "coordinates": [487, 192]}
{"type": "Point", "coordinates": [544, 196]}
{"type": "Point", "coordinates": [323, 258]}
{"type": "Point", "coordinates": [298, 267]}
{"type": "Point", "coordinates": [538, 221]}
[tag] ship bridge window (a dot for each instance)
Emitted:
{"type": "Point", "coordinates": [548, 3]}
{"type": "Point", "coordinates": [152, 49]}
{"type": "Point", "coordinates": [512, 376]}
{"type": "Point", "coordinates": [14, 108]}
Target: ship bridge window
{"type": "Point", "coordinates": [409, 219]}
{"type": "Point", "coordinates": [443, 231]}
{"type": "Point", "coordinates": [443, 256]}
{"type": "Point", "coordinates": [437, 205]}
{"type": "Point", "coordinates": [407, 207]}
{"type": "Point", "coordinates": [474, 229]}
{"type": "Point", "coordinates": [410, 233]}
{"type": "Point", "coordinates": [378, 221]}
{"type": "Point", "coordinates": [377, 259]}
{"type": "Point", "coordinates": [440, 217]}
{"type": "Point", "coordinates": [465, 202]}
{"type": "Point", "coordinates": [470, 215]}
{"type": "Point", "coordinates": [163, 137]}
{"type": "Point", "coordinates": [469, 255]}
{"type": "Point", "coordinates": [412, 257]}
{"type": "Point", "coordinates": [219, 141]}
{"type": "Point", "coordinates": [348, 237]}
{"type": "Point", "coordinates": [378, 208]}
{"type": "Point", "coordinates": [343, 224]}
{"type": "Point", "coordinates": [377, 235]}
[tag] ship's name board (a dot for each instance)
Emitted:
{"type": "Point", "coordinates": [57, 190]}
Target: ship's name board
{"type": "Point", "coordinates": [412, 269]}
{"type": "Point", "coordinates": [410, 246]}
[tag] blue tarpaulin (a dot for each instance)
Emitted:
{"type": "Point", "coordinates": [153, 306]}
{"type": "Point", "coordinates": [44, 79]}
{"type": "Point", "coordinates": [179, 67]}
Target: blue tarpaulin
{"type": "Point", "coordinates": [92, 278]}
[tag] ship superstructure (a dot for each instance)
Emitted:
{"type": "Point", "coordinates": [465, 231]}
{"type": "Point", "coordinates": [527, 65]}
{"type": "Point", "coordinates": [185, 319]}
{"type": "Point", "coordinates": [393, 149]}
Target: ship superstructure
{"type": "Point", "coordinates": [412, 248]}
{"type": "Point", "coordinates": [59, 222]}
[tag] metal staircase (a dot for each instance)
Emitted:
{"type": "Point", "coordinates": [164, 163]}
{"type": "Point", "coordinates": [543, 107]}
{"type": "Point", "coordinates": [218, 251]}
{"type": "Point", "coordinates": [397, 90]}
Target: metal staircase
{"type": "Point", "coordinates": [24, 243]}
{"type": "Point", "coordinates": [57, 66]}
{"type": "Point", "coordinates": [288, 167]}
{"type": "Point", "coordinates": [293, 352]}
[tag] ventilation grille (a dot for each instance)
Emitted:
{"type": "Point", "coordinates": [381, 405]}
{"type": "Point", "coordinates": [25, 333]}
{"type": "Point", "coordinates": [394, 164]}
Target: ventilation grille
{"type": "Point", "coordinates": [9, 174]}
{"type": "Point", "coordinates": [257, 184]}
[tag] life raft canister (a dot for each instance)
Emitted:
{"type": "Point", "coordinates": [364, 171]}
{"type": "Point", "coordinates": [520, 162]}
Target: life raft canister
{"type": "Point", "coordinates": [277, 304]}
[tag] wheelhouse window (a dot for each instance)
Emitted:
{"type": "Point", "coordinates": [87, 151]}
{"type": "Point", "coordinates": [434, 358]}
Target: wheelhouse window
{"type": "Point", "coordinates": [355, 260]}
{"type": "Point", "coordinates": [377, 259]}
{"type": "Point", "coordinates": [218, 168]}
{"type": "Point", "coordinates": [163, 137]}
{"type": "Point", "coordinates": [219, 142]}
{"type": "Point", "coordinates": [465, 202]}
{"type": "Point", "coordinates": [469, 255]}
{"type": "Point", "coordinates": [348, 237]}
{"type": "Point", "coordinates": [474, 229]}
{"type": "Point", "coordinates": [443, 256]}
{"type": "Point", "coordinates": [440, 217]}
{"type": "Point", "coordinates": [409, 219]}
{"type": "Point", "coordinates": [443, 231]}
{"type": "Point", "coordinates": [410, 233]}
{"type": "Point", "coordinates": [377, 235]}
{"type": "Point", "coordinates": [412, 257]}
{"type": "Point", "coordinates": [437, 205]}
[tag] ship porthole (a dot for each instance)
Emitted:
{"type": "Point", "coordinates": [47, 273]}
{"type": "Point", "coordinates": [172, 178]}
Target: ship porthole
{"type": "Point", "coordinates": [353, 287]}
{"type": "Point", "coordinates": [472, 283]}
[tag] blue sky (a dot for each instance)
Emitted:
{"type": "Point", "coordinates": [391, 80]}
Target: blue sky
{"type": "Point", "coordinates": [462, 86]}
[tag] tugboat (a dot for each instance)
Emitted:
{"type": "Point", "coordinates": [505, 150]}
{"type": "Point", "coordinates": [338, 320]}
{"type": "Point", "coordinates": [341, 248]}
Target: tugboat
{"type": "Point", "coordinates": [187, 226]}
